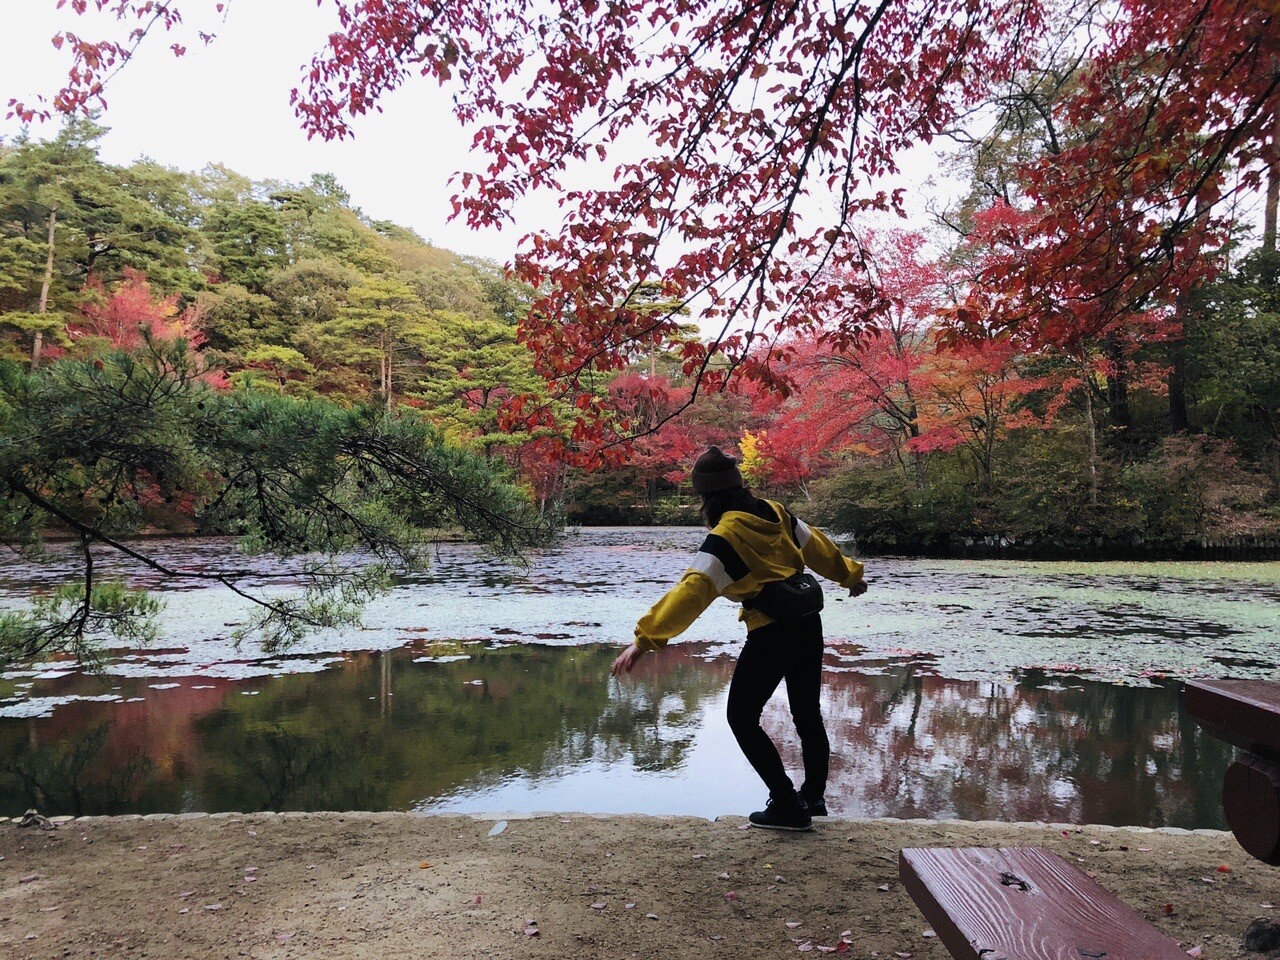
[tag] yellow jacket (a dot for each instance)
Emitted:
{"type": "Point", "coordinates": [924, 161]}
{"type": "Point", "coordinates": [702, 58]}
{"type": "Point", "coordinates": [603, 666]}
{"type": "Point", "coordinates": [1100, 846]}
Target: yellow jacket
{"type": "Point", "coordinates": [738, 557]}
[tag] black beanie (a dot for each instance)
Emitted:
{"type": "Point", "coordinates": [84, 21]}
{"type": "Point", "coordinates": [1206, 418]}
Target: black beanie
{"type": "Point", "coordinates": [714, 472]}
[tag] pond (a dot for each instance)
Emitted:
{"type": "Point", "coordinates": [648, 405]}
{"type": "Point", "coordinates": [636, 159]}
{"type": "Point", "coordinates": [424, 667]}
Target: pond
{"type": "Point", "coordinates": [967, 689]}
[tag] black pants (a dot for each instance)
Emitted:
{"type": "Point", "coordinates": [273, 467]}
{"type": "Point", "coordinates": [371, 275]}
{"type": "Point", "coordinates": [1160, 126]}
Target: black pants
{"type": "Point", "coordinates": [790, 651]}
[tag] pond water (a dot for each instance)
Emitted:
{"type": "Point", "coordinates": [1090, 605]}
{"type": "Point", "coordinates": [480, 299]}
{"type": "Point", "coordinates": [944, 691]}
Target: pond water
{"type": "Point", "coordinates": [969, 689]}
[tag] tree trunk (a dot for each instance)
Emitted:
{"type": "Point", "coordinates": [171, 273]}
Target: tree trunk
{"type": "Point", "coordinates": [1273, 188]}
{"type": "Point", "coordinates": [1118, 386]}
{"type": "Point", "coordinates": [1092, 429]}
{"type": "Point", "coordinates": [37, 347]}
{"type": "Point", "coordinates": [1179, 417]}
{"type": "Point", "coordinates": [384, 363]}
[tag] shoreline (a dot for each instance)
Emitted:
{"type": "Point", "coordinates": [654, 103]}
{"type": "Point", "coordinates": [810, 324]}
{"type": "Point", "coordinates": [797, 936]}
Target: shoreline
{"type": "Point", "coordinates": [365, 885]}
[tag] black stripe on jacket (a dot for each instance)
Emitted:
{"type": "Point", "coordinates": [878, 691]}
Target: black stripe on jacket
{"type": "Point", "coordinates": [719, 548]}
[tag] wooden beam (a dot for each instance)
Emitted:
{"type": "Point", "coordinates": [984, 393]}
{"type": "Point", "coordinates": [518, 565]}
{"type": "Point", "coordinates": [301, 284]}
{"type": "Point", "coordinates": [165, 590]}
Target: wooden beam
{"type": "Point", "coordinates": [1241, 712]}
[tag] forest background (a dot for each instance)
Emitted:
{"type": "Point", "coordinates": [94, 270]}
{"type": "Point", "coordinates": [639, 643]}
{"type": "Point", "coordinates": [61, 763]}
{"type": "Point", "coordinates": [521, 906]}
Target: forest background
{"type": "Point", "coordinates": [1163, 432]}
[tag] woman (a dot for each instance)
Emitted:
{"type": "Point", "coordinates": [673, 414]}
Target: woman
{"type": "Point", "coordinates": [752, 543]}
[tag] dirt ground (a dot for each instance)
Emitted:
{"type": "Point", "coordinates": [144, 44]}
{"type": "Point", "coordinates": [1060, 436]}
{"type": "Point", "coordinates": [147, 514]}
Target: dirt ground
{"type": "Point", "coordinates": [398, 885]}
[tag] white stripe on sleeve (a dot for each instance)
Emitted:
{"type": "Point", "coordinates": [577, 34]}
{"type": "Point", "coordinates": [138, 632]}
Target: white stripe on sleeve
{"type": "Point", "coordinates": [713, 568]}
{"type": "Point", "coordinates": [803, 533]}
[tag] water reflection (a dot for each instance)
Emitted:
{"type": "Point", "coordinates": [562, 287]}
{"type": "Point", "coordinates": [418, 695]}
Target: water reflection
{"type": "Point", "coordinates": [535, 727]}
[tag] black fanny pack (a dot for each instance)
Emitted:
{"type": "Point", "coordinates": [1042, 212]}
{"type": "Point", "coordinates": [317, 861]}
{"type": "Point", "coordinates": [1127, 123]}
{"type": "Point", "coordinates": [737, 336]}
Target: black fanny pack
{"type": "Point", "coordinates": [800, 595]}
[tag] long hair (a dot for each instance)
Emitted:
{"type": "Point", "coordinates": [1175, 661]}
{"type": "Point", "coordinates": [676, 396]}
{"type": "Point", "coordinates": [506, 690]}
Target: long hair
{"type": "Point", "coordinates": [716, 505]}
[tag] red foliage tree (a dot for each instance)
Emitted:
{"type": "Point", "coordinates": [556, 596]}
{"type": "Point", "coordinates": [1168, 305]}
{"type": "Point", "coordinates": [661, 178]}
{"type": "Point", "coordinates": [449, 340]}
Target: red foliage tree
{"type": "Point", "coordinates": [750, 110]}
{"type": "Point", "coordinates": [130, 315]}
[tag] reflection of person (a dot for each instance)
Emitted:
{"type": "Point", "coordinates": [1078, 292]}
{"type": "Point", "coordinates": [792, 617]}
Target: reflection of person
{"type": "Point", "coordinates": [752, 543]}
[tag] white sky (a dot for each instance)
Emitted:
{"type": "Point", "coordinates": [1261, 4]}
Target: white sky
{"type": "Point", "coordinates": [229, 103]}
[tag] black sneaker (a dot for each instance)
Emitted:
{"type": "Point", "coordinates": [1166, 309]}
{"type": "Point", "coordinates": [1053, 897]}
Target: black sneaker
{"type": "Point", "coordinates": [782, 816]}
{"type": "Point", "coordinates": [816, 808]}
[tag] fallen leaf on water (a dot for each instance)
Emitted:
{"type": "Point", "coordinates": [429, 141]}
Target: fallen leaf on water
{"type": "Point", "coordinates": [1223, 868]}
{"type": "Point", "coordinates": [597, 906]}
{"type": "Point", "coordinates": [730, 895]}
{"type": "Point", "coordinates": [1168, 910]}
{"type": "Point", "coordinates": [791, 924]}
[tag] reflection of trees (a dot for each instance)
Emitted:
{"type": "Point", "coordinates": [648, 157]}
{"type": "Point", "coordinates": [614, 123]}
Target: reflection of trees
{"type": "Point", "coordinates": [912, 746]}
{"type": "Point", "coordinates": [382, 732]}
{"type": "Point", "coordinates": [268, 766]}
{"type": "Point", "coordinates": [655, 718]}
{"type": "Point", "coordinates": [69, 776]}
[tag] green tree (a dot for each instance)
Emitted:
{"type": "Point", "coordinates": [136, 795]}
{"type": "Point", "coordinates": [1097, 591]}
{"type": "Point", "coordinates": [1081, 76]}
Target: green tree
{"type": "Point", "coordinates": [472, 364]}
{"type": "Point", "coordinates": [1234, 362]}
{"type": "Point", "coordinates": [381, 330]}
{"type": "Point", "coordinates": [246, 240]}
{"type": "Point", "coordinates": [87, 445]}
{"type": "Point", "coordinates": [47, 193]}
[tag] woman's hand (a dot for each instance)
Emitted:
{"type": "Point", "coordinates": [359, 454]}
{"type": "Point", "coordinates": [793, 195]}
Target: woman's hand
{"type": "Point", "coordinates": [858, 589]}
{"type": "Point", "coordinates": [626, 660]}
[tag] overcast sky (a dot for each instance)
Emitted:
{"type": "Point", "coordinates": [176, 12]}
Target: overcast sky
{"type": "Point", "coordinates": [229, 103]}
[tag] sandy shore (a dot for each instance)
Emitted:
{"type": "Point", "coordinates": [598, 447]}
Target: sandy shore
{"type": "Point", "coordinates": [397, 885]}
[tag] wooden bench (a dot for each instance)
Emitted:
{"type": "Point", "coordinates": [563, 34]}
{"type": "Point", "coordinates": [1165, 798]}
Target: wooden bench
{"type": "Point", "coordinates": [1025, 904]}
{"type": "Point", "coordinates": [1245, 713]}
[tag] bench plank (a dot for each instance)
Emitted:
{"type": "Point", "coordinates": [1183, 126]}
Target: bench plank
{"type": "Point", "coordinates": [1025, 904]}
{"type": "Point", "coordinates": [1245, 713]}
